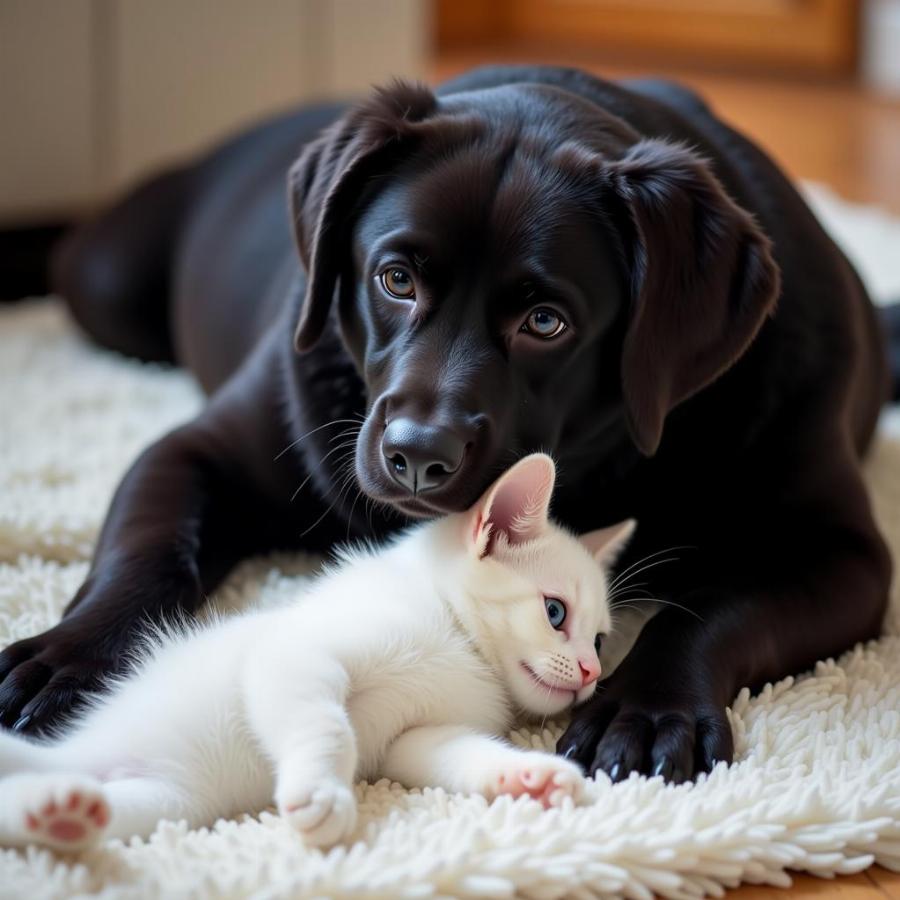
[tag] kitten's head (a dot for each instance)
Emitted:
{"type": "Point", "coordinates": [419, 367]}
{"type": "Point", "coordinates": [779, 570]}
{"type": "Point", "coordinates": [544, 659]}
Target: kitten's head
{"type": "Point", "coordinates": [536, 594]}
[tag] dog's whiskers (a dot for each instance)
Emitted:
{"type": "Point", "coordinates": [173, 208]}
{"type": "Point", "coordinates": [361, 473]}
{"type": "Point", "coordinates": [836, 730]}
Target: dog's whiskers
{"type": "Point", "coordinates": [359, 494]}
{"type": "Point", "coordinates": [354, 429]}
{"type": "Point", "coordinates": [321, 464]}
{"type": "Point", "coordinates": [346, 481]}
{"type": "Point", "coordinates": [312, 431]}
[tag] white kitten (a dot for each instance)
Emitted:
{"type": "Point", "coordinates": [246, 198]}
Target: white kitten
{"type": "Point", "coordinates": [405, 662]}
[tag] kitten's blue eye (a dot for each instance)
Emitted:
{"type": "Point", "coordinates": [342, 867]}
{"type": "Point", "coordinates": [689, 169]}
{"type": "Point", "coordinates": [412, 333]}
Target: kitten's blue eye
{"type": "Point", "coordinates": [556, 611]}
{"type": "Point", "coordinates": [598, 644]}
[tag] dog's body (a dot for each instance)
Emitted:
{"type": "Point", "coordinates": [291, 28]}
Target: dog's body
{"type": "Point", "coordinates": [768, 406]}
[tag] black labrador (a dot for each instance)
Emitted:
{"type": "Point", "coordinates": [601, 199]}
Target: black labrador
{"type": "Point", "coordinates": [531, 258]}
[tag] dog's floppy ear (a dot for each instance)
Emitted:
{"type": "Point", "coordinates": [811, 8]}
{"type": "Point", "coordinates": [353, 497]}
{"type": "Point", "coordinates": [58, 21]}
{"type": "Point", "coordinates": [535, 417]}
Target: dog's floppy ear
{"type": "Point", "coordinates": [702, 275]}
{"type": "Point", "coordinates": [326, 182]}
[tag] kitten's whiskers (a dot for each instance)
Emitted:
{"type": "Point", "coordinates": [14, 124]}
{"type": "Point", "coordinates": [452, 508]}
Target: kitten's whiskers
{"type": "Point", "coordinates": [625, 572]}
{"type": "Point", "coordinates": [630, 604]}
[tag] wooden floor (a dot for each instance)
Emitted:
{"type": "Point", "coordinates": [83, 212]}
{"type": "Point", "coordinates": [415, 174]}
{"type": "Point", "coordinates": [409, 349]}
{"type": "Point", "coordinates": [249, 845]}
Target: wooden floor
{"type": "Point", "coordinates": [836, 133]}
{"type": "Point", "coordinates": [873, 884]}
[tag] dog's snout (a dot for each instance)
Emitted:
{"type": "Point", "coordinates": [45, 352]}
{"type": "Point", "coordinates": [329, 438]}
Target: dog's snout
{"type": "Point", "coordinates": [421, 457]}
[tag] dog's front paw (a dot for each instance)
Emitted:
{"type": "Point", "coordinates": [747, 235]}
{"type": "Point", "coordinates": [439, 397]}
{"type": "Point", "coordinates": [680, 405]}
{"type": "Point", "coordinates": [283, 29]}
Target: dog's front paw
{"type": "Point", "coordinates": [635, 726]}
{"type": "Point", "coordinates": [43, 679]}
{"type": "Point", "coordinates": [323, 811]}
{"type": "Point", "coordinates": [541, 776]}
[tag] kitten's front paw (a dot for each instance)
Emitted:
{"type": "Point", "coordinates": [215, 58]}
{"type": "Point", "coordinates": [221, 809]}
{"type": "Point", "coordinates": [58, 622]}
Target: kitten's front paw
{"type": "Point", "coordinates": [65, 812]}
{"type": "Point", "coordinates": [542, 776]}
{"type": "Point", "coordinates": [324, 812]}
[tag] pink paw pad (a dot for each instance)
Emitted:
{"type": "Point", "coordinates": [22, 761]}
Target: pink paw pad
{"type": "Point", "coordinates": [74, 820]}
{"type": "Point", "coordinates": [546, 783]}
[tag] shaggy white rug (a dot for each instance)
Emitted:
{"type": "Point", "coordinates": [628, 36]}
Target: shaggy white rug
{"type": "Point", "coordinates": [815, 786]}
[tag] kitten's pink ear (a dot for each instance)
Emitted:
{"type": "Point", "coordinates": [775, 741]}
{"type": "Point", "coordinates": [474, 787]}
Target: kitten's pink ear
{"type": "Point", "coordinates": [515, 505]}
{"type": "Point", "coordinates": [606, 544]}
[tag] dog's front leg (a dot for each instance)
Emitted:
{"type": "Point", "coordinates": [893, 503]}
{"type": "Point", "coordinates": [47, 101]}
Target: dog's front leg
{"type": "Point", "coordinates": [184, 514]}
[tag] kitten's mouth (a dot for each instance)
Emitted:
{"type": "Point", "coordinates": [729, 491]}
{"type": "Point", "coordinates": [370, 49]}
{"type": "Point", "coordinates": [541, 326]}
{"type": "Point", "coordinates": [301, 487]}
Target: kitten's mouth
{"type": "Point", "coordinates": [552, 689]}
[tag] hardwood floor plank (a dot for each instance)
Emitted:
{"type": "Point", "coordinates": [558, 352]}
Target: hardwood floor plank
{"type": "Point", "coordinates": [887, 882]}
{"type": "Point", "coordinates": [806, 887]}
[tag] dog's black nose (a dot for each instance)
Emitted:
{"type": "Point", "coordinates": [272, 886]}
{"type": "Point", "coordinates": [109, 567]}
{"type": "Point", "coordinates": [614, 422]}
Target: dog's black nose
{"type": "Point", "coordinates": [421, 457]}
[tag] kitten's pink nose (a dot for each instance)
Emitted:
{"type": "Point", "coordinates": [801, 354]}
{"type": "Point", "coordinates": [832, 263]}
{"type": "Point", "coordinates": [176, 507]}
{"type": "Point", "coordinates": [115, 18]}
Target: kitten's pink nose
{"type": "Point", "coordinates": [590, 671]}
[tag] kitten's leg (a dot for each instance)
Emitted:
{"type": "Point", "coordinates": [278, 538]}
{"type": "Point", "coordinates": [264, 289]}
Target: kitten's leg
{"type": "Point", "coordinates": [297, 710]}
{"type": "Point", "coordinates": [138, 804]}
{"type": "Point", "coordinates": [459, 759]}
{"type": "Point", "coordinates": [19, 754]}
{"type": "Point", "coordinates": [314, 768]}
{"type": "Point", "coordinates": [59, 810]}
{"type": "Point", "coordinates": [70, 812]}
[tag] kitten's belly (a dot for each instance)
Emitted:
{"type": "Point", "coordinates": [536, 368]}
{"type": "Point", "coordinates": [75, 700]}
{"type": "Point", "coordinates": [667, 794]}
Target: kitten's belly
{"type": "Point", "coordinates": [181, 717]}
{"type": "Point", "coordinates": [443, 686]}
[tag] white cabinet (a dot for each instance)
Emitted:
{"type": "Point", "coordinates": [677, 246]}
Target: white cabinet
{"type": "Point", "coordinates": [48, 119]}
{"type": "Point", "coordinates": [95, 93]}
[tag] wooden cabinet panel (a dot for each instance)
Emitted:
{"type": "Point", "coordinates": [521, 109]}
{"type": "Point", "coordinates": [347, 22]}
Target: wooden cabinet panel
{"type": "Point", "coordinates": [817, 35]}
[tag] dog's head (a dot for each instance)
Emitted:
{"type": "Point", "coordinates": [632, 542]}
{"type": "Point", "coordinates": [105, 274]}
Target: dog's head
{"type": "Point", "coordinates": [515, 270]}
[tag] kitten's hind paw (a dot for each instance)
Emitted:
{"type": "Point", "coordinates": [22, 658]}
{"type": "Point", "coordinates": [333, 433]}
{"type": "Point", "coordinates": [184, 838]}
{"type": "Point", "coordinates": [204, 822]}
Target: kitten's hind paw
{"type": "Point", "coordinates": [64, 812]}
{"type": "Point", "coordinates": [542, 776]}
{"type": "Point", "coordinates": [324, 812]}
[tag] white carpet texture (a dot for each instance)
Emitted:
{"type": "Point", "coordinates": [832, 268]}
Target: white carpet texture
{"type": "Point", "coordinates": [815, 786]}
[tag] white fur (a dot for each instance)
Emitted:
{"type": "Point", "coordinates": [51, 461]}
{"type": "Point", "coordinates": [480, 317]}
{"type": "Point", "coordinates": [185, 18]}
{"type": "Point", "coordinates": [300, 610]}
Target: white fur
{"type": "Point", "coordinates": [405, 662]}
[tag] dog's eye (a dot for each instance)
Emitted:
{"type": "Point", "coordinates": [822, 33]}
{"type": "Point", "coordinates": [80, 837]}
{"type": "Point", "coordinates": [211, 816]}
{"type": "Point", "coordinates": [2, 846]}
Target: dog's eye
{"type": "Point", "coordinates": [556, 611]}
{"type": "Point", "coordinates": [544, 322]}
{"type": "Point", "coordinates": [398, 283]}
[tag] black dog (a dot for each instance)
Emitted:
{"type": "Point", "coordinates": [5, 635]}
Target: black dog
{"type": "Point", "coordinates": [533, 259]}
